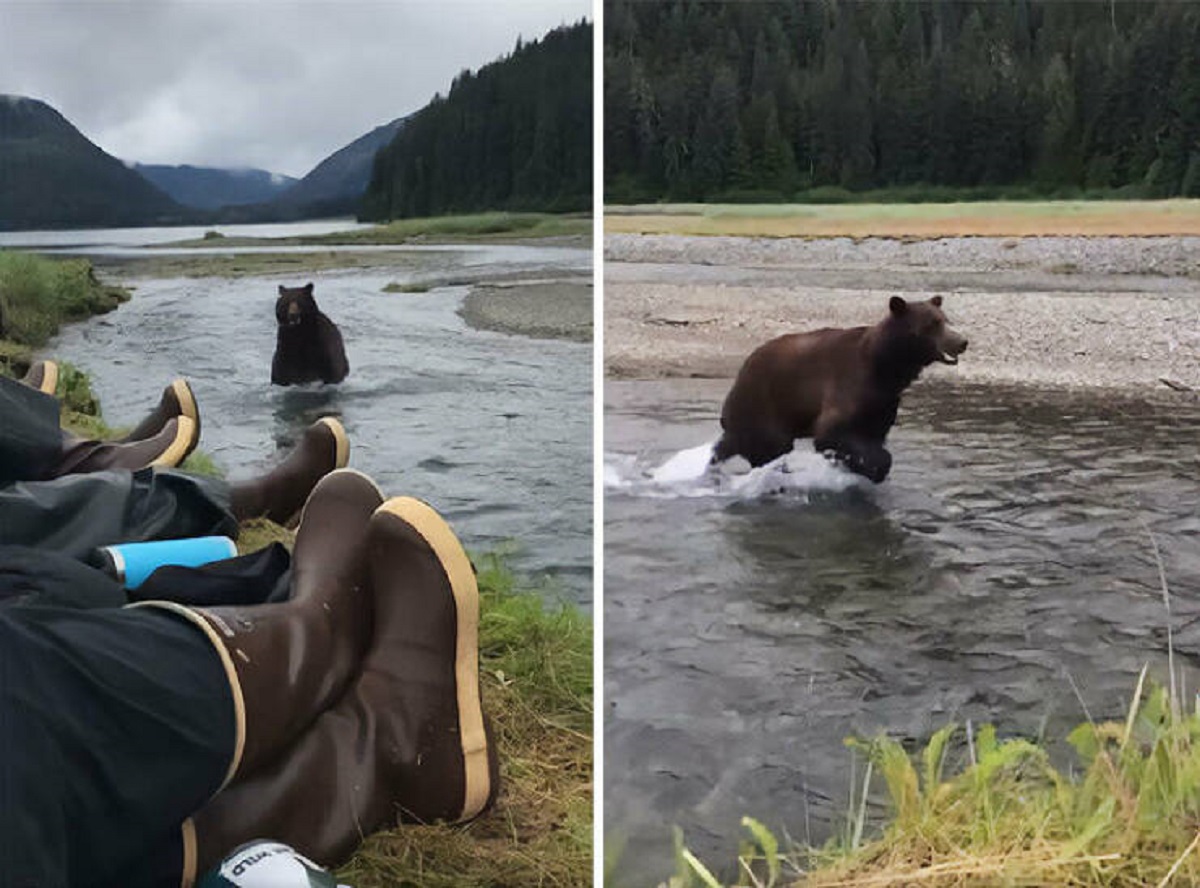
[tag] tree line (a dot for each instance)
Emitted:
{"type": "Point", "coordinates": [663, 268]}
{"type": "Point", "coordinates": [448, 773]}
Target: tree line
{"type": "Point", "coordinates": [515, 135]}
{"type": "Point", "coordinates": [813, 99]}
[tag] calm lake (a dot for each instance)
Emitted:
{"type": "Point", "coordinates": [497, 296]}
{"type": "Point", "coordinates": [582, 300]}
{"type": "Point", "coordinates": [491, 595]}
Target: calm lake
{"type": "Point", "coordinates": [754, 622]}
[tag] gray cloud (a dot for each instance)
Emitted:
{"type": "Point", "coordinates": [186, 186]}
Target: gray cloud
{"type": "Point", "coordinates": [276, 85]}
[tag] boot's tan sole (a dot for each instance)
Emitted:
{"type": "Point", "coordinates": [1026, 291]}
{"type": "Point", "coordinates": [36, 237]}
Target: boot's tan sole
{"type": "Point", "coordinates": [49, 378]}
{"type": "Point", "coordinates": [449, 551]}
{"type": "Point", "coordinates": [186, 436]}
{"type": "Point", "coordinates": [341, 439]}
{"type": "Point", "coordinates": [187, 400]}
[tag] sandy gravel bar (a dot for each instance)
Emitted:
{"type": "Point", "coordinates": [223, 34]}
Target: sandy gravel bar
{"type": "Point", "coordinates": [542, 309]}
{"type": "Point", "coordinates": [1099, 312]}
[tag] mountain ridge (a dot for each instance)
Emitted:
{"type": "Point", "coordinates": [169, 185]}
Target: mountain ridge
{"type": "Point", "coordinates": [210, 188]}
{"type": "Point", "coordinates": [53, 176]}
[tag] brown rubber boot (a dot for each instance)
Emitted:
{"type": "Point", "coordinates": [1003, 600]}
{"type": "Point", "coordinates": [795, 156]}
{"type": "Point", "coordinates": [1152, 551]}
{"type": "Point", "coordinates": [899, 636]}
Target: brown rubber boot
{"type": "Point", "coordinates": [289, 662]}
{"type": "Point", "coordinates": [166, 450]}
{"type": "Point", "coordinates": [177, 400]}
{"type": "Point", "coordinates": [43, 376]}
{"type": "Point", "coordinates": [277, 495]}
{"type": "Point", "coordinates": [408, 741]}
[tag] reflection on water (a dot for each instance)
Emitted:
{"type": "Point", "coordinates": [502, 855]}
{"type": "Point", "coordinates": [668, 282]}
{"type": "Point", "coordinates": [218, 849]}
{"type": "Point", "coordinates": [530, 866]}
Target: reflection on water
{"type": "Point", "coordinates": [494, 430]}
{"type": "Point", "coordinates": [300, 406]}
{"type": "Point", "coordinates": [747, 634]}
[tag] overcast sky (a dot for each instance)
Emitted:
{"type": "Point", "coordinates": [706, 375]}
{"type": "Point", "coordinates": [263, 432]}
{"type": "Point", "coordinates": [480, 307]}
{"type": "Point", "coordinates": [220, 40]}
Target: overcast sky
{"type": "Point", "coordinates": [259, 83]}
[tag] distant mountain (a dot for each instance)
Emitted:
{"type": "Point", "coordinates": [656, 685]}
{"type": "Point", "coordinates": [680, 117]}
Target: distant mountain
{"type": "Point", "coordinates": [51, 176]}
{"type": "Point", "coordinates": [343, 175]}
{"type": "Point", "coordinates": [515, 135]}
{"type": "Point", "coordinates": [209, 188]}
{"type": "Point", "coordinates": [334, 187]}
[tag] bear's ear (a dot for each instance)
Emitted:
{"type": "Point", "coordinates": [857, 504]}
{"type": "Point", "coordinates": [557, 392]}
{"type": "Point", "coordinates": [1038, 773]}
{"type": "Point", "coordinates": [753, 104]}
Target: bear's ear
{"type": "Point", "coordinates": [936, 301]}
{"type": "Point", "coordinates": [308, 289]}
{"type": "Point", "coordinates": [897, 305]}
{"type": "Point", "coordinates": [281, 289]}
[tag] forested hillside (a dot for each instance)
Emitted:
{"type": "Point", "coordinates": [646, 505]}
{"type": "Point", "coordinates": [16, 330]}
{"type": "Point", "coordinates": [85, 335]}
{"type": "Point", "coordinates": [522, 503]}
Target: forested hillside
{"type": "Point", "coordinates": [515, 135]}
{"type": "Point", "coordinates": [765, 100]}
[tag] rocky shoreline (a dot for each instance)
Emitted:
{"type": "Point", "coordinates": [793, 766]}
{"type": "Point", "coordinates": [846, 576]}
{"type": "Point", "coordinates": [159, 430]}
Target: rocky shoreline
{"type": "Point", "coordinates": [558, 309]}
{"type": "Point", "coordinates": [1073, 312]}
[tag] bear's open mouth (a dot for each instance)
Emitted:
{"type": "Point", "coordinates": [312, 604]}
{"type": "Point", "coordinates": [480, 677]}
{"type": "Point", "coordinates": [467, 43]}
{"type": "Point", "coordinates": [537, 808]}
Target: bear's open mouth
{"type": "Point", "coordinates": [947, 358]}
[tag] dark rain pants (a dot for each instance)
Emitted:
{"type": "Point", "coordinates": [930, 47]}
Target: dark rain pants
{"type": "Point", "coordinates": [76, 513]}
{"type": "Point", "coordinates": [115, 726]}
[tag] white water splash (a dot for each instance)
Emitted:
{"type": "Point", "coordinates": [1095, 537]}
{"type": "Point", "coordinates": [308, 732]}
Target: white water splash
{"type": "Point", "coordinates": [689, 473]}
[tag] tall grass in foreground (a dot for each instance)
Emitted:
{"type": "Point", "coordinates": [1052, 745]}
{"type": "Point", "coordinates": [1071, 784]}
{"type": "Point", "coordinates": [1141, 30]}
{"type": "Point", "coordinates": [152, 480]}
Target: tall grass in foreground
{"type": "Point", "coordinates": [1129, 817]}
{"type": "Point", "coordinates": [37, 295]}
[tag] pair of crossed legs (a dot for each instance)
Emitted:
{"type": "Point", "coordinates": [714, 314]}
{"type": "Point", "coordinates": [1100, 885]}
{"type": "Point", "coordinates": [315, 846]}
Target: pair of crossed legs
{"type": "Point", "coordinates": [142, 744]}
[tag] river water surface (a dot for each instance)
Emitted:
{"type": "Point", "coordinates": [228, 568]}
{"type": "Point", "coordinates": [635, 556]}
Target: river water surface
{"type": "Point", "coordinates": [494, 430]}
{"type": "Point", "coordinates": [753, 622]}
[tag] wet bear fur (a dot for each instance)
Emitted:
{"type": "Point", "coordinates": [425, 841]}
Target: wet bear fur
{"type": "Point", "coordinates": [840, 387]}
{"type": "Point", "coordinates": [308, 346]}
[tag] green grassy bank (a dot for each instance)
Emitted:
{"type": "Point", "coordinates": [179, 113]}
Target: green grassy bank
{"type": "Point", "coordinates": [1126, 813]}
{"type": "Point", "coordinates": [38, 295]}
{"type": "Point", "coordinates": [535, 657]}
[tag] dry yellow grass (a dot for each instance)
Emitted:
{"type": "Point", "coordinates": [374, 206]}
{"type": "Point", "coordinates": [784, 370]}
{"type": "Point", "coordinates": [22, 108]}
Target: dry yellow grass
{"type": "Point", "coordinates": [913, 221]}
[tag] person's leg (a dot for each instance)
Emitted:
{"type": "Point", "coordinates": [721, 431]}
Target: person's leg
{"type": "Point", "coordinates": [35, 576]}
{"type": "Point", "coordinates": [289, 661]}
{"type": "Point", "coordinates": [278, 494]}
{"type": "Point", "coordinates": [30, 438]}
{"type": "Point", "coordinates": [76, 513]}
{"type": "Point", "coordinates": [33, 446]}
{"type": "Point", "coordinates": [166, 449]}
{"type": "Point", "coordinates": [43, 376]}
{"type": "Point", "coordinates": [255, 578]}
{"type": "Point", "coordinates": [408, 742]}
{"type": "Point", "coordinates": [177, 400]}
{"type": "Point", "coordinates": [117, 725]}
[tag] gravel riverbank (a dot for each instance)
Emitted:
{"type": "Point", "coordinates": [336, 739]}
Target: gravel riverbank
{"type": "Point", "coordinates": [541, 309]}
{"type": "Point", "coordinates": [1094, 312]}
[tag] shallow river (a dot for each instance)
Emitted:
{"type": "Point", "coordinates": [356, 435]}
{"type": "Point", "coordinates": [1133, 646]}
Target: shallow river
{"type": "Point", "coordinates": [494, 430]}
{"type": "Point", "coordinates": [754, 622]}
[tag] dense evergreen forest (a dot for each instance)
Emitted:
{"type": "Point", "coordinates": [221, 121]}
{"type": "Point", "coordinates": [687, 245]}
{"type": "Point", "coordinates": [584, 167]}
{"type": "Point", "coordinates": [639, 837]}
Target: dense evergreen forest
{"type": "Point", "coordinates": [516, 135]}
{"type": "Point", "coordinates": [773, 100]}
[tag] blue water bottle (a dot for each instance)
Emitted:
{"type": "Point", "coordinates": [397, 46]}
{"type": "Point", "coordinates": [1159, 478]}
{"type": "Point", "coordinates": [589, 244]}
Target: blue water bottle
{"type": "Point", "coordinates": [130, 563]}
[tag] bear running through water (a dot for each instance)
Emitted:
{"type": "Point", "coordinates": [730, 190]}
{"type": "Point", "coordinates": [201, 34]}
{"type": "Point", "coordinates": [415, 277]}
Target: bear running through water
{"type": "Point", "coordinates": [841, 387]}
{"type": "Point", "coordinates": [308, 346]}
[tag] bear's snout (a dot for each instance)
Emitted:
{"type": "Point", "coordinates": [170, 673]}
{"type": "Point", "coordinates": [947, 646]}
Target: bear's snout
{"type": "Point", "coordinates": [952, 345]}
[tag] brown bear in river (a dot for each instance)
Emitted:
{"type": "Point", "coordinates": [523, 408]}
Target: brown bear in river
{"type": "Point", "coordinates": [308, 346]}
{"type": "Point", "coordinates": [840, 387]}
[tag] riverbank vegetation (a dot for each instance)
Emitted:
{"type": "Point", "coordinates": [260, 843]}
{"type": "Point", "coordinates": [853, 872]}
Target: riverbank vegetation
{"type": "Point", "coordinates": [912, 221]}
{"type": "Point", "coordinates": [1125, 813]}
{"type": "Point", "coordinates": [38, 295]}
{"type": "Point", "coordinates": [767, 101]}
